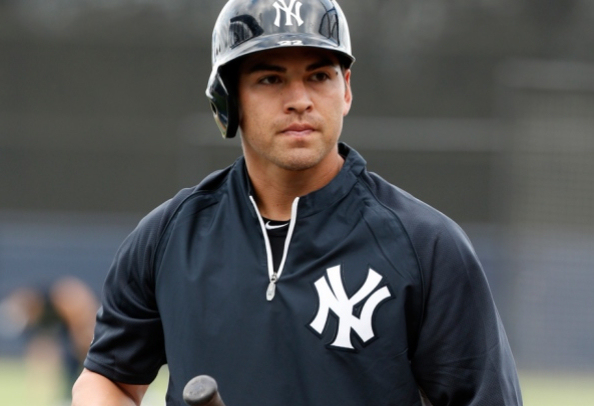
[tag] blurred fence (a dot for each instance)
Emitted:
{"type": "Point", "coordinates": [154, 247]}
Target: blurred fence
{"type": "Point", "coordinates": [547, 201]}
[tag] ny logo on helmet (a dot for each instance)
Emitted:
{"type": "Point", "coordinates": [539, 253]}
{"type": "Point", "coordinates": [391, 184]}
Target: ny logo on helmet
{"type": "Point", "coordinates": [333, 298]}
{"type": "Point", "coordinates": [280, 5]}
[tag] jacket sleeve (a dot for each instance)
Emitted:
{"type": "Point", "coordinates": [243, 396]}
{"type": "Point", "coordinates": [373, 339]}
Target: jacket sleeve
{"type": "Point", "coordinates": [128, 345]}
{"type": "Point", "coordinates": [462, 356]}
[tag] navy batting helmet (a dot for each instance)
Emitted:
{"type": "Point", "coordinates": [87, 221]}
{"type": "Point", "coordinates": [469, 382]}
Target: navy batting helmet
{"type": "Point", "coordinates": [247, 26]}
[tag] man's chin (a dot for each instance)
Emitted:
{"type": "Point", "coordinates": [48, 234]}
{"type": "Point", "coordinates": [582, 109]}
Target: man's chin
{"type": "Point", "coordinates": [299, 161]}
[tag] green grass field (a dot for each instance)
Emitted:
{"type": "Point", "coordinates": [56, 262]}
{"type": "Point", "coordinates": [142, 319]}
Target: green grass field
{"type": "Point", "coordinates": [17, 387]}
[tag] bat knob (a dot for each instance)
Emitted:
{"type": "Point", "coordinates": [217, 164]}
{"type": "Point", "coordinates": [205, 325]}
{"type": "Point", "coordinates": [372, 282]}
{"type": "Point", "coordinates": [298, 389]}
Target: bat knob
{"type": "Point", "coordinates": [202, 391]}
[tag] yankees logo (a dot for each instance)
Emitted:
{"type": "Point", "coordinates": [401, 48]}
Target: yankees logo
{"type": "Point", "coordinates": [334, 298]}
{"type": "Point", "coordinates": [280, 5]}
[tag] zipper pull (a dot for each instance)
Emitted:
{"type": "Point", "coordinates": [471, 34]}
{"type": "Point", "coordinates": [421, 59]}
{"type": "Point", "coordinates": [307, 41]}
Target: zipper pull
{"type": "Point", "coordinates": [271, 290]}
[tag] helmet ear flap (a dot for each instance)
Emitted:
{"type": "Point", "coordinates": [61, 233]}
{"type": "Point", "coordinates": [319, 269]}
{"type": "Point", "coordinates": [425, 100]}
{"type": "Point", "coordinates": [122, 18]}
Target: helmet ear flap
{"type": "Point", "coordinates": [223, 106]}
{"type": "Point", "coordinates": [233, 118]}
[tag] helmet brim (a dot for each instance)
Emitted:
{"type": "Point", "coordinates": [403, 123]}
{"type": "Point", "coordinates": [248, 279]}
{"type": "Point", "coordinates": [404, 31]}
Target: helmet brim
{"type": "Point", "coordinates": [284, 40]}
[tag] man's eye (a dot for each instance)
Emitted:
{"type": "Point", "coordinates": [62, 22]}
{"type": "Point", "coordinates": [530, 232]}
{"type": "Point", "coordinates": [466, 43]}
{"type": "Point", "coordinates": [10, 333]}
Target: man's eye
{"type": "Point", "coordinates": [269, 80]}
{"type": "Point", "coordinates": [320, 76]}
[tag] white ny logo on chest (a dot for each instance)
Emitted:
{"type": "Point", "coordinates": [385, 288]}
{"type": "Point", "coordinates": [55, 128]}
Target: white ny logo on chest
{"type": "Point", "coordinates": [334, 298]}
{"type": "Point", "coordinates": [280, 5]}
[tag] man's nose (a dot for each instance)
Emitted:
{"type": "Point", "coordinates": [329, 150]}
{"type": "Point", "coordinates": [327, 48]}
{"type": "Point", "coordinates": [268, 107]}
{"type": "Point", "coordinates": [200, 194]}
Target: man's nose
{"type": "Point", "coordinates": [297, 98]}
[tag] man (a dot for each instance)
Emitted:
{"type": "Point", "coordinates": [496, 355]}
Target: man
{"type": "Point", "coordinates": [295, 277]}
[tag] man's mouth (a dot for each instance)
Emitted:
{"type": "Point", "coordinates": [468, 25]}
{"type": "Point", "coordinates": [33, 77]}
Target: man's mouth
{"type": "Point", "coordinates": [298, 129]}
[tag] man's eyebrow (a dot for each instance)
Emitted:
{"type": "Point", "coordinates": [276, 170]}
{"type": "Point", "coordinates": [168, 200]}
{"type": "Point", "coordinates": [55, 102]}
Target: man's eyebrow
{"type": "Point", "coordinates": [322, 63]}
{"type": "Point", "coordinates": [268, 67]}
{"type": "Point", "coordinates": [263, 66]}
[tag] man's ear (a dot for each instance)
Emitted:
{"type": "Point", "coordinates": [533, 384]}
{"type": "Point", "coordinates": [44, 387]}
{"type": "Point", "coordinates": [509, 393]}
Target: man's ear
{"type": "Point", "coordinates": [348, 93]}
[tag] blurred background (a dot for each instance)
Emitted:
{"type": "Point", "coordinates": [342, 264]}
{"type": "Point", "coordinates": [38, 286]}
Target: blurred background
{"type": "Point", "coordinates": [483, 109]}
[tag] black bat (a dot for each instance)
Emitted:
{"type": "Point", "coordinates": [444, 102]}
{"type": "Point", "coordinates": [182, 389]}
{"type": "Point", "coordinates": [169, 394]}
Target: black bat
{"type": "Point", "coordinates": [202, 391]}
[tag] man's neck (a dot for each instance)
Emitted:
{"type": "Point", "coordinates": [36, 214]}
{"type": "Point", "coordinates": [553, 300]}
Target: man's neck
{"type": "Point", "coordinates": [277, 188]}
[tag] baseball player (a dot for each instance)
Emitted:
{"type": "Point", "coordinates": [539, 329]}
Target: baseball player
{"type": "Point", "coordinates": [295, 276]}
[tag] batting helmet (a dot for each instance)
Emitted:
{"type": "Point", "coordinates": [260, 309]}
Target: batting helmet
{"type": "Point", "coordinates": [247, 26]}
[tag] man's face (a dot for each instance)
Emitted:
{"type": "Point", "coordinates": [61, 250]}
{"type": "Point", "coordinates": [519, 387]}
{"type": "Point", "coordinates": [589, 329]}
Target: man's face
{"type": "Point", "coordinates": [291, 106]}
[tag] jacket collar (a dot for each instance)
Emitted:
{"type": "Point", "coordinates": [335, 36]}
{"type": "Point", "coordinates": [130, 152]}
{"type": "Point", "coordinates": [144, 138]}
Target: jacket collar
{"type": "Point", "coordinates": [320, 199]}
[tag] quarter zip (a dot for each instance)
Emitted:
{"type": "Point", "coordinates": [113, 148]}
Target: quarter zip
{"type": "Point", "coordinates": [273, 274]}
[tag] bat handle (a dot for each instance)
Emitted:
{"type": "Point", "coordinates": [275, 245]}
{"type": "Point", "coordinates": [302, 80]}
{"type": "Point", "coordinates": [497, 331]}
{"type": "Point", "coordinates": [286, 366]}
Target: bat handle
{"type": "Point", "coordinates": [202, 390]}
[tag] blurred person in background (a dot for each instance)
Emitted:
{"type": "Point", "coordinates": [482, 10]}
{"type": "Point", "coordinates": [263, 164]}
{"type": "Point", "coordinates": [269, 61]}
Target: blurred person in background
{"type": "Point", "coordinates": [295, 276]}
{"type": "Point", "coordinates": [56, 322]}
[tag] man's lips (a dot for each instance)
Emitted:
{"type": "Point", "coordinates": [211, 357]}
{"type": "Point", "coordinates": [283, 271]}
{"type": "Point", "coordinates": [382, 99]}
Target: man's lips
{"type": "Point", "coordinates": [298, 129]}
